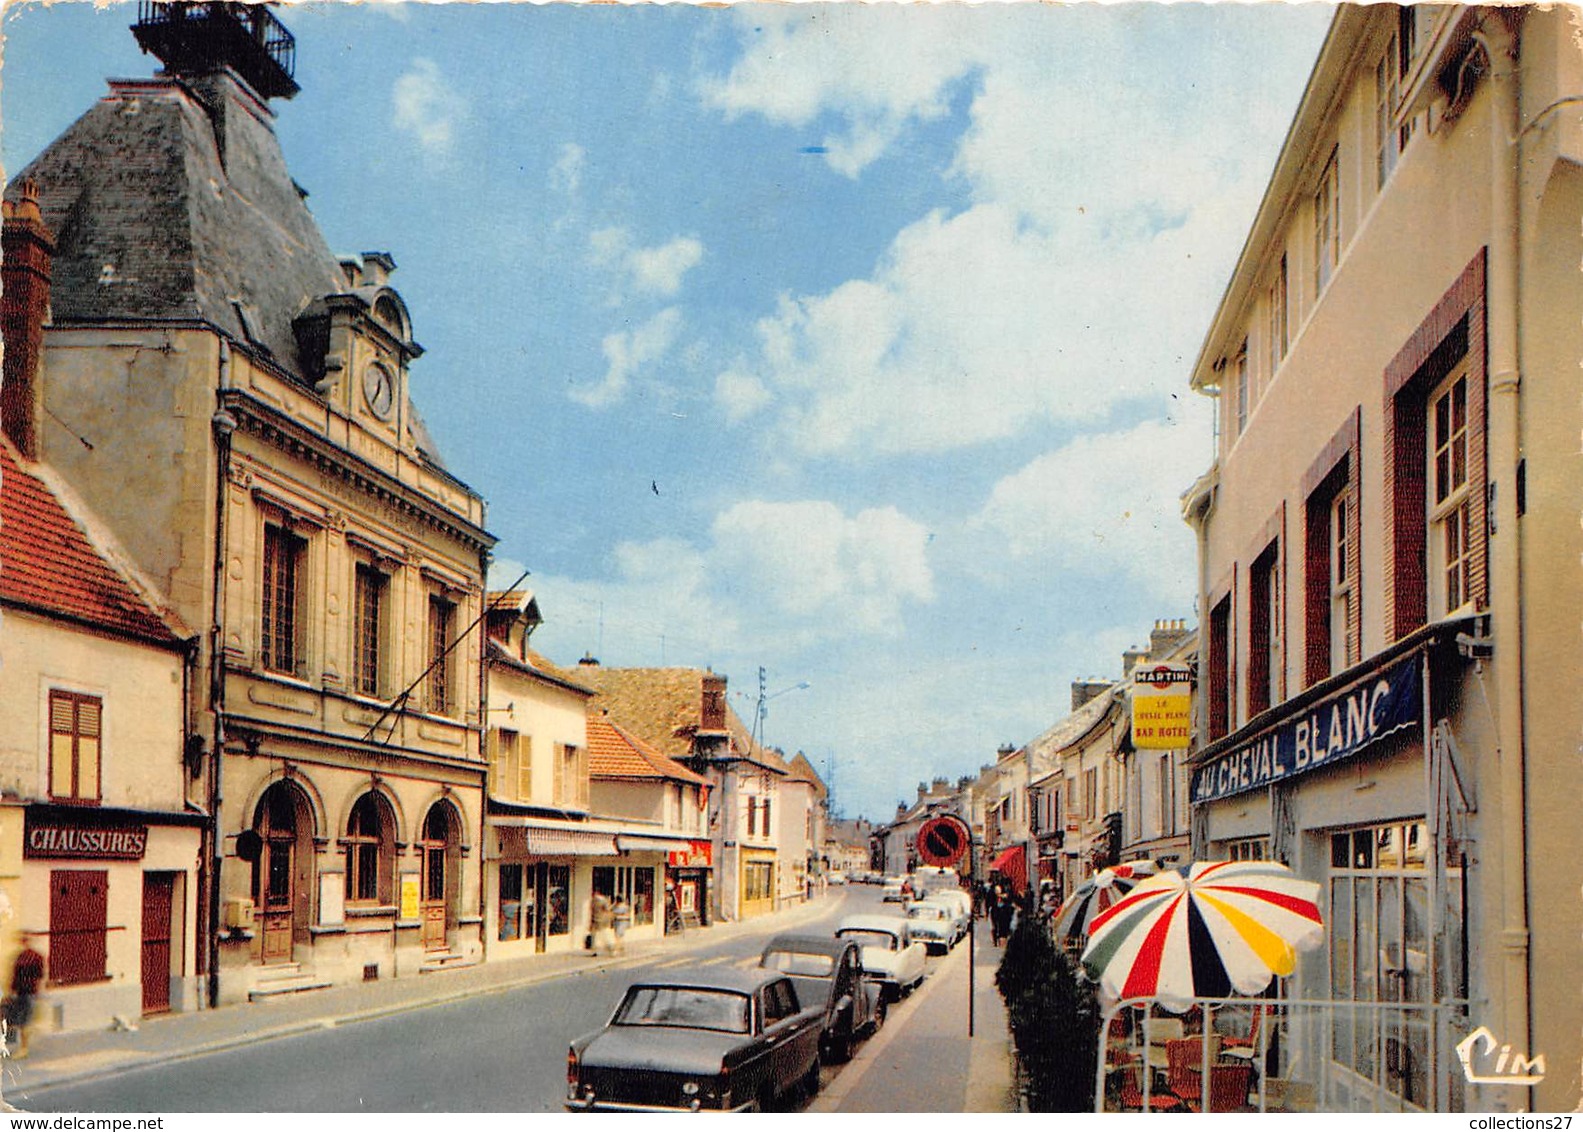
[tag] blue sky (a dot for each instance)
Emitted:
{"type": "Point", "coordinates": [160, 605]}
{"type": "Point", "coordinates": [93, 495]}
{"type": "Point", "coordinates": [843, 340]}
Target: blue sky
{"type": "Point", "coordinates": [847, 341]}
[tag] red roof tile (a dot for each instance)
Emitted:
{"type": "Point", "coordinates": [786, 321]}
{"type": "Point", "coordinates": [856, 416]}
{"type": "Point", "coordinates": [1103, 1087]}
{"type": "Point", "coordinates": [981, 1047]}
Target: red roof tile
{"type": "Point", "coordinates": [48, 563]}
{"type": "Point", "coordinates": [616, 753]}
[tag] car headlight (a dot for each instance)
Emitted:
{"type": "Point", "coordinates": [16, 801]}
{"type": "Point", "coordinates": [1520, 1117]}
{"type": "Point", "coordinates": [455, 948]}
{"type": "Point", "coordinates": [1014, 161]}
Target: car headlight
{"type": "Point", "coordinates": [690, 1089]}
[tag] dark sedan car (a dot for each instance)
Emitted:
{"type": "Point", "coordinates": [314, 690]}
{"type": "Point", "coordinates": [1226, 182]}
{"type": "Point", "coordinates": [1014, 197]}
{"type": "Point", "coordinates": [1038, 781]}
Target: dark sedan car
{"type": "Point", "coordinates": [829, 971]}
{"type": "Point", "coordinates": [717, 1039]}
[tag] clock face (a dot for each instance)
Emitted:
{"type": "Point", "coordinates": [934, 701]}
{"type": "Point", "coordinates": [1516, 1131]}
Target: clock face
{"type": "Point", "coordinates": [379, 390]}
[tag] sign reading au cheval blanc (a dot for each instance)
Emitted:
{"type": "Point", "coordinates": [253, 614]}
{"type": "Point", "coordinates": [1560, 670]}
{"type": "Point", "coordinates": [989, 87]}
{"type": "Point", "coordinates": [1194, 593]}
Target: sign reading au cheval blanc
{"type": "Point", "coordinates": [1330, 732]}
{"type": "Point", "coordinates": [1162, 706]}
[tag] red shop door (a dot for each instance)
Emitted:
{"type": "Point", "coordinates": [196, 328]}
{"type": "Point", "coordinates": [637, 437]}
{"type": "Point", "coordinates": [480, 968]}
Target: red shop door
{"type": "Point", "coordinates": [158, 903]}
{"type": "Point", "coordinates": [78, 902]}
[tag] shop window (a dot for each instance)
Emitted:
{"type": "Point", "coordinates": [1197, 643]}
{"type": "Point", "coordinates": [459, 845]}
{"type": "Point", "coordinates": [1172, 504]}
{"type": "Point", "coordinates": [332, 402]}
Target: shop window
{"type": "Point", "coordinates": [74, 747]}
{"type": "Point", "coordinates": [511, 904]}
{"type": "Point", "coordinates": [368, 627]}
{"type": "Point", "coordinates": [1379, 927]}
{"type": "Point", "coordinates": [78, 903]}
{"type": "Point", "coordinates": [370, 852]}
{"type": "Point", "coordinates": [757, 880]}
{"type": "Point", "coordinates": [442, 620]}
{"type": "Point", "coordinates": [280, 648]}
{"type": "Point", "coordinates": [1264, 630]}
{"type": "Point", "coordinates": [557, 898]}
{"type": "Point", "coordinates": [1248, 849]}
{"type": "Point", "coordinates": [632, 883]}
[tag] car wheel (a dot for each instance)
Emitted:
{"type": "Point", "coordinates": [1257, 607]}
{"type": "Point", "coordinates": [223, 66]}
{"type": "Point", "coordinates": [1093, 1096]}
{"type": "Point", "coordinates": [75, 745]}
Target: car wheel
{"type": "Point", "coordinates": [808, 1087]}
{"type": "Point", "coordinates": [841, 1043]}
{"type": "Point", "coordinates": [879, 1014]}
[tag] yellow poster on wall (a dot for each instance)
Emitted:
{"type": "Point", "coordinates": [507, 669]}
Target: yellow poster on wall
{"type": "Point", "coordinates": [1162, 706]}
{"type": "Point", "coordinates": [409, 896]}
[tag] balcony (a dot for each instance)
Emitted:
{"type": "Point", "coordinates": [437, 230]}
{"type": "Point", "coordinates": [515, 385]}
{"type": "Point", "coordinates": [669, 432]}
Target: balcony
{"type": "Point", "coordinates": [199, 38]}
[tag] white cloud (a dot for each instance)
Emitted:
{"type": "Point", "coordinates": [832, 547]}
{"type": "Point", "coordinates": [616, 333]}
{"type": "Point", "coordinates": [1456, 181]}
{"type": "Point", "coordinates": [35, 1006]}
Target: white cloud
{"type": "Point", "coordinates": [740, 395]}
{"type": "Point", "coordinates": [627, 353]}
{"type": "Point", "coordinates": [1100, 226]}
{"type": "Point", "coordinates": [652, 272]}
{"type": "Point", "coordinates": [426, 106]}
{"type": "Point", "coordinates": [813, 570]}
{"type": "Point", "coordinates": [566, 175]}
{"type": "Point", "coordinates": [1105, 506]}
{"type": "Point", "coordinates": [879, 69]}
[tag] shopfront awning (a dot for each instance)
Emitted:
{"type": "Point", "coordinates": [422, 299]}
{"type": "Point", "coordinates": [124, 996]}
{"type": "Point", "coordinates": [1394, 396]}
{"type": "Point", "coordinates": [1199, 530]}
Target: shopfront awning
{"type": "Point", "coordinates": [630, 843]}
{"type": "Point", "coordinates": [1013, 865]}
{"type": "Point", "coordinates": [553, 840]}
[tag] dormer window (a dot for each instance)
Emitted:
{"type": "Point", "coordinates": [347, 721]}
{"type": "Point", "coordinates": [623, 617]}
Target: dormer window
{"type": "Point", "coordinates": [388, 312]}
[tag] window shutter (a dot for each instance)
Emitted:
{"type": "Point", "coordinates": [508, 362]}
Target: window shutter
{"type": "Point", "coordinates": [525, 768]}
{"type": "Point", "coordinates": [559, 786]}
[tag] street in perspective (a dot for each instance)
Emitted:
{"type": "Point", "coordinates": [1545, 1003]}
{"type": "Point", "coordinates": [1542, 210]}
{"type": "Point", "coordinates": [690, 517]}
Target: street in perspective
{"type": "Point", "coordinates": [872, 558]}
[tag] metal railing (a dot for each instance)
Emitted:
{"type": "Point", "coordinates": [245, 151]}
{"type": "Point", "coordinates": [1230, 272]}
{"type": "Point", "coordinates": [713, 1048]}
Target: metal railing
{"type": "Point", "coordinates": [1283, 1055]}
{"type": "Point", "coordinates": [255, 20]}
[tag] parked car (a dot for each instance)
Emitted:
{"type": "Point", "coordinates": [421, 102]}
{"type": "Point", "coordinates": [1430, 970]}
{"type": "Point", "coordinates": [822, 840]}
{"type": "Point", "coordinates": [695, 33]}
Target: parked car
{"type": "Point", "coordinates": [836, 877]}
{"type": "Point", "coordinates": [830, 971]}
{"type": "Point", "coordinates": [717, 1038]}
{"type": "Point", "coordinates": [961, 906]}
{"type": "Point", "coordinates": [892, 892]}
{"type": "Point", "coordinates": [890, 954]}
{"type": "Point", "coordinates": [933, 924]}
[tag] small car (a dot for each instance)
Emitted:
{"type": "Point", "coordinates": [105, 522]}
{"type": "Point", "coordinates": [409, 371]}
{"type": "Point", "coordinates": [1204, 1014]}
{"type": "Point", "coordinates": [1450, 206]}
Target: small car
{"type": "Point", "coordinates": [891, 955]}
{"type": "Point", "coordinates": [716, 1038]}
{"type": "Point", "coordinates": [836, 877]}
{"type": "Point", "coordinates": [892, 892]}
{"type": "Point", "coordinates": [934, 924]}
{"type": "Point", "coordinates": [830, 971]}
{"type": "Point", "coordinates": [961, 906]}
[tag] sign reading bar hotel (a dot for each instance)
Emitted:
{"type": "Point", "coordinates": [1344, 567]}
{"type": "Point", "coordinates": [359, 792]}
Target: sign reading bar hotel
{"type": "Point", "coordinates": [1330, 732]}
{"type": "Point", "coordinates": [112, 843]}
{"type": "Point", "coordinates": [1162, 707]}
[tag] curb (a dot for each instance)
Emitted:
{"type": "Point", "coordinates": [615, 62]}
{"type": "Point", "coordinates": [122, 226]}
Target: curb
{"type": "Point", "coordinates": [136, 1059]}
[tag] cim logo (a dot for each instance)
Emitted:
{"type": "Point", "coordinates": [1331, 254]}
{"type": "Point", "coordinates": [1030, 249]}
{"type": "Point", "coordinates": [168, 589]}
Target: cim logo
{"type": "Point", "coordinates": [1508, 1068]}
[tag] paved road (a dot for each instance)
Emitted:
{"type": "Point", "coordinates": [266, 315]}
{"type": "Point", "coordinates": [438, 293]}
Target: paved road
{"type": "Point", "coordinates": [503, 1051]}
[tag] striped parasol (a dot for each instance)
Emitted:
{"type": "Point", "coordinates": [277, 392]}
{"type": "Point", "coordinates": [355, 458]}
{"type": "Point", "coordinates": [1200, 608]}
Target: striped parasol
{"type": "Point", "coordinates": [1206, 930]}
{"type": "Point", "coordinates": [1096, 894]}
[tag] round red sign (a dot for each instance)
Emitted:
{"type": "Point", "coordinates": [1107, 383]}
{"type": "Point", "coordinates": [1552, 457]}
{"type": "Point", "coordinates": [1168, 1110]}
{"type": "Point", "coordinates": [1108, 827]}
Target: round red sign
{"type": "Point", "coordinates": [942, 841]}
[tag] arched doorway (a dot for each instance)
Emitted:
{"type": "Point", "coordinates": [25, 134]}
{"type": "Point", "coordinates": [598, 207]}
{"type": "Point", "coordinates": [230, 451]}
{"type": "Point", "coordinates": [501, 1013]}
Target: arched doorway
{"type": "Point", "coordinates": [283, 872]}
{"type": "Point", "coordinates": [441, 873]}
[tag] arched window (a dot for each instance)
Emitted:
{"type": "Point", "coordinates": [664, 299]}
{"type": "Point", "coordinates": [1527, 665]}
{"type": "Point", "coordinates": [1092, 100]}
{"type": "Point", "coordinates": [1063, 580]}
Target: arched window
{"type": "Point", "coordinates": [370, 852]}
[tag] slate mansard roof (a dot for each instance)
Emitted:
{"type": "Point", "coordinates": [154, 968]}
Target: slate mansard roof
{"type": "Point", "coordinates": [171, 202]}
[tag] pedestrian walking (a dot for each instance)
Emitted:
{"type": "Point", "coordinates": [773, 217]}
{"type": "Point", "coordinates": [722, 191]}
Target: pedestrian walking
{"type": "Point", "coordinates": [27, 972]}
{"type": "Point", "coordinates": [601, 925]}
{"type": "Point", "coordinates": [1000, 916]}
{"type": "Point", "coordinates": [621, 916]}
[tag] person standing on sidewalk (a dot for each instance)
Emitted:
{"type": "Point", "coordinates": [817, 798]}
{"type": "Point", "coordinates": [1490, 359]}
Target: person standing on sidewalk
{"type": "Point", "coordinates": [26, 975]}
{"type": "Point", "coordinates": [601, 921]}
{"type": "Point", "coordinates": [621, 916]}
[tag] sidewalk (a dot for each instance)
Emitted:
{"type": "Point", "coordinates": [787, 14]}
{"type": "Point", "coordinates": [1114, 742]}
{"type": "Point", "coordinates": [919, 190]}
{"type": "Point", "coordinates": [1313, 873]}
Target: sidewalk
{"type": "Point", "coordinates": [923, 1059]}
{"type": "Point", "coordinates": [59, 1058]}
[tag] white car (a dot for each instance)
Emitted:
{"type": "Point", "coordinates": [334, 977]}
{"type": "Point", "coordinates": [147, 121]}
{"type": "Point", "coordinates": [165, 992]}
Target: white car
{"type": "Point", "coordinates": [891, 956]}
{"type": "Point", "coordinates": [961, 906]}
{"type": "Point", "coordinates": [892, 892]}
{"type": "Point", "coordinates": [934, 924]}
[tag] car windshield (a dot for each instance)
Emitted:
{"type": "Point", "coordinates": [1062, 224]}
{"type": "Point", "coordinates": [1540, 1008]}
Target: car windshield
{"type": "Point", "coordinates": [869, 937]}
{"type": "Point", "coordinates": [691, 1007]}
{"type": "Point", "coordinates": [925, 912]}
{"type": "Point", "coordinates": [800, 963]}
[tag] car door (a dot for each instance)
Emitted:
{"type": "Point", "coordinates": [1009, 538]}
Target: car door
{"type": "Point", "coordinates": [910, 967]}
{"type": "Point", "coordinates": [787, 1031]}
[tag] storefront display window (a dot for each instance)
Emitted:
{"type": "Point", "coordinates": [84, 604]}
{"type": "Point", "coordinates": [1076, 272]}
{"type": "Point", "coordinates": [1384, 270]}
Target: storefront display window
{"type": "Point", "coordinates": [558, 899]}
{"type": "Point", "coordinates": [510, 902]}
{"type": "Point", "coordinates": [633, 883]}
{"type": "Point", "coordinates": [1379, 953]}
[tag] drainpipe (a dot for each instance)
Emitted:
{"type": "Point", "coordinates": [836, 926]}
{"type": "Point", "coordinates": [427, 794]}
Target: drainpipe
{"type": "Point", "coordinates": [1504, 441]}
{"type": "Point", "coordinates": [223, 425]}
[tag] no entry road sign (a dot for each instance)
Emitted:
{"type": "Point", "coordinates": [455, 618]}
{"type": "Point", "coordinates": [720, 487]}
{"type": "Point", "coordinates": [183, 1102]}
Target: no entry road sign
{"type": "Point", "coordinates": [942, 841]}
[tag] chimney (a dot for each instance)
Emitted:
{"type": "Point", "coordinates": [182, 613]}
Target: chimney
{"type": "Point", "coordinates": [1166, 635]}
{"type": "Point", "coordinates": [589, 660]}
{"type": "Point", "coordinates": [1004, 751]}
{"type": "Point", "coordinates": [1085, 690]}
{"type": "Point", "coordinates": [28, 252]}
{"type": "Point", "coordinates": [1130, 659]}
{"type": "Point", "coordinates": [712, 716]}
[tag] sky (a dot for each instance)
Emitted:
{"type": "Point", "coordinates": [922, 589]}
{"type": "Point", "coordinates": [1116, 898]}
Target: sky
{"type": "Point", "coordinates": [849, 342]}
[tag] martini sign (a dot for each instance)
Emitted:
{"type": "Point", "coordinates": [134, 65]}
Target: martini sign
{"type": "Point", "coordinates": [1162, 706]}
